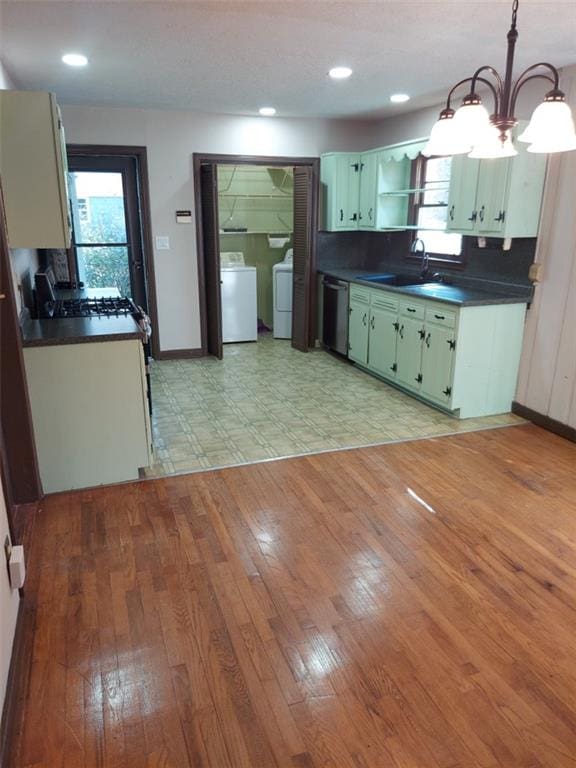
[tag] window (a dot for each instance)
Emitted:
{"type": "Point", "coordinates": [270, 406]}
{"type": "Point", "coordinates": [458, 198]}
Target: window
{"type": "Point", "coordinates": [431, 209]}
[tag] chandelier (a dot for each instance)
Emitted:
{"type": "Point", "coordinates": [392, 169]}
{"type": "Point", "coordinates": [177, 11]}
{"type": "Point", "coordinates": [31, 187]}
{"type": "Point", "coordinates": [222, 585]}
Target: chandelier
{"type": "Point", "coordinates": [472, 130]}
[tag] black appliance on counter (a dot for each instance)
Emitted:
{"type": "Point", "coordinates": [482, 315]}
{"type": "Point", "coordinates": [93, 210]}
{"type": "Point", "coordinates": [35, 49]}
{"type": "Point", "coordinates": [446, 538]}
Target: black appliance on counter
{"type": "Point", "coordinates": [335, 314]}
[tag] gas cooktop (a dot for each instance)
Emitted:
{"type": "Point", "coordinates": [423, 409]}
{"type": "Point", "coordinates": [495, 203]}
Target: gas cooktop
{"type": "Point", "coordinates": [104, 307]}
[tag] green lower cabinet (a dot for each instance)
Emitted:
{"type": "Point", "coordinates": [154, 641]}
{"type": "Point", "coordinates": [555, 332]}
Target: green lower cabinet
{"type": "Point", "coordinates": [409, 352]}
{"type": "Point", "coordinates": [437, 363]}
{"type": "Point", "coordinates": [382, 341]}
{"type": "Point", "coordinates": [463, 360]}
{"type": "Point", "coordinates": [358, 331]}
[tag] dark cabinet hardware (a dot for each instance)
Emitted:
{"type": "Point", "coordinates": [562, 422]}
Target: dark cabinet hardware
{"type": "Point", "coordinates": [501, 216]}
{"type": "Point", "coordinates": [370, 212]}
{"type": "Point", "coordinates": [401, 331]}
{"type": "Point", "coordinates": [447, 391]}
{"type": "Point", "coordinates": [422, 333]}
{"type": "Point", "coordinates": [396, 326]}
{"type": "Point", "coordinates": [440, 317]}
{"type": "Point", "coordinates": [451, 213]}
{"type": "Point", "coordinates": [427, 341]}
{"type": "Point", "coordinates": [394, 367]}
{"type": "Point", "coordinates": [481, 214]}
{"type": "Point", "coordinates": [350, 310]}
{"type": "Point", "coordinates": [341, 214]}
{"type": "Point", "coordinates": [474, 216]}
{"type": "Point", "coordinates": [419, 378]}
{"type": "Point", "coordinates": [409, 309]}
{"type": "Point", "coordinates": [365, 319]}
{"type": "Point", "coordinates": [356, 167]}
{"type": "Point", "coordinates": [372, 322]}
{"type": "Point", "coordinates": [361, 166]}
{"type": "Point", "coordinates": [354, 217]}
{"type": "Point", "coordinates": [451, 343]}
{"type": "Point", "coordinates": [359, 217]}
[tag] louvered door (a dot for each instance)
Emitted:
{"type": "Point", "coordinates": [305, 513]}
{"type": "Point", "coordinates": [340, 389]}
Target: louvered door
{"type": "Point", "coordinates": [305, 208]}
{"type": "Point", "coordinates": [211, 247]}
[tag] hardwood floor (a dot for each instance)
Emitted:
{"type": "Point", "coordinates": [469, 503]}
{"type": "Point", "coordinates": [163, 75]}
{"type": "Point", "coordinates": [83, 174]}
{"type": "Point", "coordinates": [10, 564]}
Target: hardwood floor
{"type": "Point", "coordinates": [403, 606]}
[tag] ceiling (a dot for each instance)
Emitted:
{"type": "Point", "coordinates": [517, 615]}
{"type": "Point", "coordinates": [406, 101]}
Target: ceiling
{"type": "Point", "coordinates": [233, 57]}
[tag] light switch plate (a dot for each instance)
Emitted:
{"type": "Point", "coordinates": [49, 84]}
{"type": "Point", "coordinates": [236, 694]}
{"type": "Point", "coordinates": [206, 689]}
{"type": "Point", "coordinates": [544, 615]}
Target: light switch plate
{"type": "Point", "coordinates": [162, 243]}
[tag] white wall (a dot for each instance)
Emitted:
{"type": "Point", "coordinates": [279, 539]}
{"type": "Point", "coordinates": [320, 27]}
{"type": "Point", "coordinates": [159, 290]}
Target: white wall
{"type": "Point", "coordinates": [548, 370]}
{"type": "Point", "coordinates": [9, 600]}
{"type": "Point", "coordinates": [171, 138]}
{"type": "Point", "coordinates": [6, 81]}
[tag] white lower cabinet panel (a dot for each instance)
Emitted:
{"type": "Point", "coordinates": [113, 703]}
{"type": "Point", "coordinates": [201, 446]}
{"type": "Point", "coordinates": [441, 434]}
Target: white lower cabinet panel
{"type": "Point", "coordinates": [463, 360]}
{"type": "Point", "coordinates": [90, 413]}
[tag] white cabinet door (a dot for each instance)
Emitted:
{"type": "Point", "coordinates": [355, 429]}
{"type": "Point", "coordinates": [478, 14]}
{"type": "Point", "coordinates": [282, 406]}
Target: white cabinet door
{"type": "Point", "coordinates": [462, 210]}
{"type": "Point", "coordinates": [383, 341]}
{"type": "Point", "coordinates": [409, 354]}
{"type": "Point", "coordinates": [358, 332]}
{"type": "Point", "coordinates": [437, 360]}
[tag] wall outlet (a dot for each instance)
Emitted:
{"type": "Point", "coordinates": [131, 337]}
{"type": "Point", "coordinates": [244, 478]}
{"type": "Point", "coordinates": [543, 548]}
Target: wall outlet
{"type": "Point", "coordinates": [536, 272]}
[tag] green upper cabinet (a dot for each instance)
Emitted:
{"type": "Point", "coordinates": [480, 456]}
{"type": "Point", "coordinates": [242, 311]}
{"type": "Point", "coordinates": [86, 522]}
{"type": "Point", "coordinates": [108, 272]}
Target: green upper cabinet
{"type": "Point", "coordinates": [368, 190]}
{"type": "Point", "coordinates": [340, 187]}
{"type": "Point", "coordinates": [497, 198]}
{"type": "Point", "coordinates": [33, 168]}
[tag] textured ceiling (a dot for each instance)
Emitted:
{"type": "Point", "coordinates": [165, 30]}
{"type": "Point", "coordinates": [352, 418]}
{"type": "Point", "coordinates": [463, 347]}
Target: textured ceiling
{"type": "Point", "coordinates": [232, 57]}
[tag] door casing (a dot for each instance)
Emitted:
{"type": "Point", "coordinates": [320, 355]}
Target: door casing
{"type": "Point", "coordinates": [200, 159]}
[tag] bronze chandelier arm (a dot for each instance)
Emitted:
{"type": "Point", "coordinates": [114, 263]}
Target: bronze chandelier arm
{"type": "Point", "coordinates": [492, 71]}
{"type": "Point", "coordinates": [475, 79]}
{"type": "Point", "coordinates": [525, 77]}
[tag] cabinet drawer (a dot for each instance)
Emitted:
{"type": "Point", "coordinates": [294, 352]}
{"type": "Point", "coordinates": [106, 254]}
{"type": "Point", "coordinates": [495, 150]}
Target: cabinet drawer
{"type": "Point", "coordinates": [412, 309]}
{"type": "Point", "coordinates": [359, 294]}
{"type": "Point", "coordinates": [441, 316]}
{"type": "Point", "coordinates": [384, 300]}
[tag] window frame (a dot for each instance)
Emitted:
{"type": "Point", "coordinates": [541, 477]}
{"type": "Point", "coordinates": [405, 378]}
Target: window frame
{"type": "Point", "coordinates": [417, 182]}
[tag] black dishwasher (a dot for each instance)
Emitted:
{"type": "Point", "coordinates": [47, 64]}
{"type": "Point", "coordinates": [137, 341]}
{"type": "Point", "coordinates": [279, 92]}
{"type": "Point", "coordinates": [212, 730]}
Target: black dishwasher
{"type": "Point", "coordinates": [335, 315]}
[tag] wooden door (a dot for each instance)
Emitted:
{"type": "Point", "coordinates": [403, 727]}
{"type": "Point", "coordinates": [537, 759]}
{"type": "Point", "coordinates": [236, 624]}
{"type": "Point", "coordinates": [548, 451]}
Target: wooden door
{"type": "Point", "coordinates": [211, 250]}
{"type": "Point", "coordinates": [305, 212]}
{"type": "Point", "coordinates": [19, 463]}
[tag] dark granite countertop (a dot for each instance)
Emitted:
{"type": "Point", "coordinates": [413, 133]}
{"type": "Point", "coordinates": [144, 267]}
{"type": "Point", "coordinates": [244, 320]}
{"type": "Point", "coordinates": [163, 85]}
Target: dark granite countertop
{"type": "Point", "coordinates": [80, 330]}
{"type": "Point", "coordinates": [463, 292]}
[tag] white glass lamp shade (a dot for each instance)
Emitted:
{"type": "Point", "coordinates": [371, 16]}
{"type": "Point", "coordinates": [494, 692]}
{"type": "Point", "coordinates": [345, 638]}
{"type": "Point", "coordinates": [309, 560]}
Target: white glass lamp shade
{"type": "Point", "coordinates": [491, 146]}
{"type": "Point", "coordinates": [551, 128]}
{"type": "Point", "coordinates": [443, 139]}
{"type": "Point", "coordinates": [471, 121]}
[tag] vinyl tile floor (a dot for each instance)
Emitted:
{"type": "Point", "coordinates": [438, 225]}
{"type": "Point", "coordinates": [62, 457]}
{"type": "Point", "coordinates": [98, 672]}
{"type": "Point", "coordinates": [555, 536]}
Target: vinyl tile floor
{"type": "Point", "coordinates": [265, 400]}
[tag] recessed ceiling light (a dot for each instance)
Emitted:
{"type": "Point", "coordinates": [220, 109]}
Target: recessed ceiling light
{"type": "Point", "coordinates": [399, 98]}
{"type": "Point", "coordinates": [75, 59]}
{"type": "Point", "coordinates": [340, 73]}
{"type": "Point", "coordinates": [267, 111]}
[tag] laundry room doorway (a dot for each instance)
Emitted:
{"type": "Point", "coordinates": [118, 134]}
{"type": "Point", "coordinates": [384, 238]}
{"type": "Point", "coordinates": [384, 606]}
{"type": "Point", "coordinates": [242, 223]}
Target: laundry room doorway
{"type": "Point", "coordinates": [256, 237]}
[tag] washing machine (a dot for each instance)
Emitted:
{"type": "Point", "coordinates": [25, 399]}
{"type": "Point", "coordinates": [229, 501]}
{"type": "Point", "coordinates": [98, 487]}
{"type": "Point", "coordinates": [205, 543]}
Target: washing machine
{"type": "Point", "coordinates": [238, 284]}
{"type": "Point", "coordinates": [282, 296]}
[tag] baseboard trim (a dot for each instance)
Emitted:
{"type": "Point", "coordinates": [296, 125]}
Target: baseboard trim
{"type": "Point", "coordinates": [545, 421]}
{"type": "Point", "coordinates": [180, 354]}
{"type": "Point", "coordinates": [17, 683]}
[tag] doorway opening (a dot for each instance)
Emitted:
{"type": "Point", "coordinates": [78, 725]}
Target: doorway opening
{"type": "Point", "coordinates": [111, 242]}
{"type": "Point", "coordinates": [256, 238]}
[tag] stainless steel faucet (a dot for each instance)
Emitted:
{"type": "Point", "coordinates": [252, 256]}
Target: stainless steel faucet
{"type": "Point", "coordinates": [418, 246]}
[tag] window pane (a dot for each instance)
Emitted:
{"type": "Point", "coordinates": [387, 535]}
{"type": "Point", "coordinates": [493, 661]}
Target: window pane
{"type": "Point", "coordinates": [438, 169]}
{"type": "Point", "coordinates": [436, 196]}
{"type": "Point", "coordinates": [97, 201]}
{"type": "Point", "coordinates": [432, 218]}
{"type": "Point", "coordinates": [441, 242]}
{"type": "Point", "coordinates": [104, 267]}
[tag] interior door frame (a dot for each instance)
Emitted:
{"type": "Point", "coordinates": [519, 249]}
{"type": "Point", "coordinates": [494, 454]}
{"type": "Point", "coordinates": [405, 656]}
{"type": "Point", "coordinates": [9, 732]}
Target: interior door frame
{"type": "Point", "coordinates": [199, 159]}
{"type": "Point", "coordinates": [140, 155]}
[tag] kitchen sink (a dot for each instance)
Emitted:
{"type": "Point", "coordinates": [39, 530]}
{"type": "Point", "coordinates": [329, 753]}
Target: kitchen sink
{"type": "Point", "coordinates": [399, 280]}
